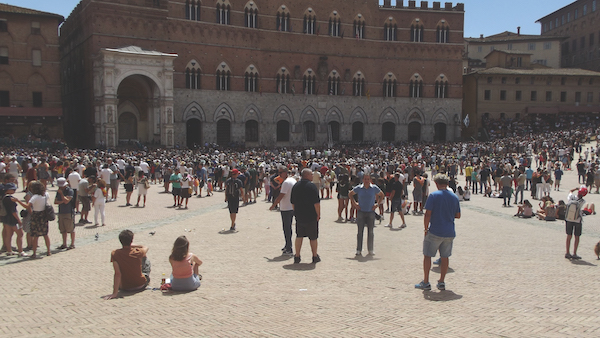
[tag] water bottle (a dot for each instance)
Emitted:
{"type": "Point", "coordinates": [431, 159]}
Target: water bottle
{"type": "Point", "coordinates": [163, 280]}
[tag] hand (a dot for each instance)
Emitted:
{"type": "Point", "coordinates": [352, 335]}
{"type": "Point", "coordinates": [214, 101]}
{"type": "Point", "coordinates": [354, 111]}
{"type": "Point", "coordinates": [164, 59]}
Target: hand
{"type": "Point", "coordinates": [272, 207]}
{"type": "Point", "coordinates": [113, 296]}
{"type": "Point", "coordinates": [374, 207]}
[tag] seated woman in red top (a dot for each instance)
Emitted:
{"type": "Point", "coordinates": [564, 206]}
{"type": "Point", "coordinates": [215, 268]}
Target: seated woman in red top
{"type": "Point", "coordinates": [185, 265]}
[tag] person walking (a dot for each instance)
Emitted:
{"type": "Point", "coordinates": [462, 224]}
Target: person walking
{"type": "Point", "coordinates": [307, 210]}
{"type": "Point", "coordinates": [442, 209]}
{"type": "Point", "coordinates": [369, 197]}
{"type": "Point", "coordinates": [233, 191]}
{"type": "Point", "coordinates": [397, 199]}
{"type": "Point", "coordinates": [286, 208]}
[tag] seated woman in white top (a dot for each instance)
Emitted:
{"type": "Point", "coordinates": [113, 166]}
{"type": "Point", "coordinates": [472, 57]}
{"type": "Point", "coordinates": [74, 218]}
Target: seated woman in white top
{"type": "Point", "coordinates": [467, 195]}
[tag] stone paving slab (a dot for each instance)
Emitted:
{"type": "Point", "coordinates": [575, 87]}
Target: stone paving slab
{"type": "Point", "coordinates": [508, 278]}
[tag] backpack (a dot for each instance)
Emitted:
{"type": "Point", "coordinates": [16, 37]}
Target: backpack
{"type": "Point", "coordinates": [573, 212]}
{"type": "Point", "coordinates": [230, 188]}
{"type": "Point", "coordinates": [3, 211]}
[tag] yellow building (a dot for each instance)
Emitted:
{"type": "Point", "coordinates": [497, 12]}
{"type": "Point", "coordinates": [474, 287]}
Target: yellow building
{"type": "Point", "coordinates": [512, 88]}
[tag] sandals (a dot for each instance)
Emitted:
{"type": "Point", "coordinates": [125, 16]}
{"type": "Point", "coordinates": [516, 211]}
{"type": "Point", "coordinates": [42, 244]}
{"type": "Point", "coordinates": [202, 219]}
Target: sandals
{"type": "Point", "coordinates": [62, 247]}
{"type": "Point", "coordinates": [71, 247]}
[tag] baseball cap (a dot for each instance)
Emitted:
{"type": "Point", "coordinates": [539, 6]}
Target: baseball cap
{"type": "Point", "coordinates": [582, 191]}
{"type": "Point", "coordinates": [235, 172]}
{"type": "Point", "coordinates": [9, 186]}
{"type": "Point", "coordinates": [61, 182]}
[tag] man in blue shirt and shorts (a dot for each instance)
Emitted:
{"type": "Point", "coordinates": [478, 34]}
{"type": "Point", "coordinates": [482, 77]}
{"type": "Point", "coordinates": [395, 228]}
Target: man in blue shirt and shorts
{"type": "Point", "coordinates": [442, 208]}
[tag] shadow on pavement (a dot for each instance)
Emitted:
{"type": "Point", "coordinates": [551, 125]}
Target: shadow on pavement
{"type": "Point", "coordinates": [441, 296]}
{"type": "Point", "coordinates": [300, 267]}
{"type": "Point", "coordinates": [279, 258]}
{"type": "Point", "coordinates": [437, 269]}
{"type": "Point", "coordinates": [581, 262]}
{"type": "Point", "coordinates": [362, 259]}
{"type": "Point", "coordinates": [227, 232]}
{"type": "Point", "coordinates": [176, 293]}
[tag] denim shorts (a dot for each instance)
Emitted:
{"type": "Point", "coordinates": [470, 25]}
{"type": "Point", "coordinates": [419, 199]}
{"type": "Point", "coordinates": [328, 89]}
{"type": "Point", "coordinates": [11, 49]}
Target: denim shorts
{"type": "Point", "coordinates": [432, 243]}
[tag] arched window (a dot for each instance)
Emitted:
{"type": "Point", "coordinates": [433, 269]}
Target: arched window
{"type": "Point", "coordinates": [251, 15]}
{"type": "Point", "coordinates": [223, 12]}
{"type": "Point", "coordinates": [192, 75]}
{"type": "Point", "coordinates": [333, 83]}
{"type": "Point", "coordinates": [358, 84]}
{"type": "Point", "coordinates": [223, 77]}
{"type": "Point", "coordinates": [283, 19]}
{"type": "Point", "coordinates": [441, 87]}
{"type": "Point", "coordinates": [310, 21]}
{"type": "Point", "coordinates": [283, 81]}
{"type": "Point", "coordinates": [416, 31]}
{"type": "Point", "coordinates": [442, 32]}
{"type": "Point", "coordinates": [309, 82]}
{"type": "Point", "coordinates": [389, 85]}
{"type": "Point", "coordinates": [416, 86]}
{"type": "Point", "coordinates": [283, 131]}
{"type": "Point", "coordinates": [251, 131]}
{"type": "Point", "coordinates": [359, 27]}
{"type": "Point", "coordinates": [333, 131]}
{"type": "Point", "coordinates": [334, 24]}
{"type": "Point", "coordinates": [310, 134]}
{"type": "Point", "coordinates": [251, 79]}
{"type": "Point", "coordinates": [390, 30]}
{"type": "Point", "coordinates": [192, 9]}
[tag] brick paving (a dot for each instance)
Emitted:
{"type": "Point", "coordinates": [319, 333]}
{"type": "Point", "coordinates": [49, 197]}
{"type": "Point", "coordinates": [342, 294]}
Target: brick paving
{"type": "Point", "coordinates": [508, 278]}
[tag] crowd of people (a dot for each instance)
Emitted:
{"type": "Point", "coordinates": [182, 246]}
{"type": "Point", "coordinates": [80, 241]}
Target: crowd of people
{"type": "Point", "coordinates": [367, 181]}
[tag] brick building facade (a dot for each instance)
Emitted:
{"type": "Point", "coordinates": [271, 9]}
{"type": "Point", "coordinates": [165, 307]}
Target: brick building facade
{"type": "Point", "coordinates": [261, 72]}
{"type": "Point", "coordinates": [30, 100]}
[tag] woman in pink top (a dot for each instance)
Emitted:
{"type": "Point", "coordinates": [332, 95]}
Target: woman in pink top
{"type": "Point", "coordinates": [185, 276]}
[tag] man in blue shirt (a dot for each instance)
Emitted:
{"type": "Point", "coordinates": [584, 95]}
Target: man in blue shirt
{"type": "Point", "coordinates": [442, 207]}
{"type": "Point", "coordinates": [369, 197]}
{"type": "Point", "coordinates": [529, 175]}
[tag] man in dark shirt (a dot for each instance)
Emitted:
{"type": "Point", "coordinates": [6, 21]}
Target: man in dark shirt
{"type": "Point", "coordinates": [66, 224]}
{"type": "Point", "coordinates": [397, 190]}
{"type": "Point", "coordinates": [90, 171]}
{"type": "Point", "coordinates": [307, 209]}
{"type": "Point", "coordinates": [233, 190]}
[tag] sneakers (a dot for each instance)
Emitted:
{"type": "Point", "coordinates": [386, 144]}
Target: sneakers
{"type": "Point", "coordinates": [296, 259]}
{"type": "Point", "coordinates": [358, 253]}
{"type": "Point", "coordinates": [388, 226]}
{"type": "Point", "coordinates": [403, 226]}
{"type": "Point", "coordinates": [316, 259]}
{"type": "Point", "coordinates": [437, 261]}
{"type": "Point", "coordinates": [371, 253]}
{"type": "Point", "coordinates": [568, 256]}
{"type": "Point", "coordinates": [575, 257]}
{"type": "Point", "coordinates": [441, 286]}
{"type": "Point", "coordinates": [288, 253]}
{"type": "Point", "coordinates": [423, 286]}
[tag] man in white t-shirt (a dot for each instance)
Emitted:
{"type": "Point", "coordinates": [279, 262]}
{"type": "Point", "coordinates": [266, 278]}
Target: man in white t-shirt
{"type": "Point", "coordinates": [74, 179]}
{"type": "Point", "coordinates": [286, 208]}
{"type": "Point", "coordinates": [145, 168]}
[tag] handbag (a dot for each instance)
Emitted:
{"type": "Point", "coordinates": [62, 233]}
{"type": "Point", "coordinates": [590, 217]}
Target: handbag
{"type": "Point", "coordinates": [49, 212]}
{"type": "Point", "coordinates": [146, 184]}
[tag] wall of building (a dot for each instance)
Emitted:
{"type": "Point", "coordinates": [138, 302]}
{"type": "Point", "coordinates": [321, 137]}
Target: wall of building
{"type": "Point", "coordinates": [110, 24]}
{"type": "Point", "coordinates": [545, 52]}
{"type": "Point", "coordinates": [580, 21]}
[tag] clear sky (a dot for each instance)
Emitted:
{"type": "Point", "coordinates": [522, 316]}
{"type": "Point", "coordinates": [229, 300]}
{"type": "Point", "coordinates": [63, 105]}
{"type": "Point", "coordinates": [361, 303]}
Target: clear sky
{"type": "Point", "coordinates": [485, 17]}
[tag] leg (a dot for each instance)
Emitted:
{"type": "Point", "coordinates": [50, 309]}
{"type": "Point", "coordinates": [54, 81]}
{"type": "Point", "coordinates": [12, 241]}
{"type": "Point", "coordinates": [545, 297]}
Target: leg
{"type": "Point", "coordinates": [575, 245]}
{"type": "Point", "coordinates": [313, 247]}
{"type": "Point", "coordinates": [298, 245]}
{"type": "Point", "coordinates": [19, 233]}
{"type": "Point", "coordinates": [47, 240]}
{"type": "Point", "coordinates": [8, 238]}
{"type": "Point", "coordinates": [370, 233]}
{"type": "Point", "coordinates": [426, 268]}
{"type": "Point", "coordinates": [64, 238]}
{"type": "Point", "coordinates": [445, 261]}
{"type": "Point", "coordinates": [360, 223]}
{"type": "Point", "coordinates": [569, 243]}
{"type": "Point", "coordinates": [286, 219]}
{"type": "Point", "coordinates": [73, 238]}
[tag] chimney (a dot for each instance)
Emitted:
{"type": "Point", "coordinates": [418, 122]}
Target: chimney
{"type": "Point", "coordinates": [519, 31]}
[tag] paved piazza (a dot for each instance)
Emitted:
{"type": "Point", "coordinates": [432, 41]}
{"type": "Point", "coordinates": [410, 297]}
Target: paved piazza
{"type": "Point", "coordinates": [508, 278]}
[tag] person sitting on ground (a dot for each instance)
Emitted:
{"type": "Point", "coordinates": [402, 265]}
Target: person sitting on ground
{"type": "Point", "coordinates": [549, 211]}
{"type": "Point", "coordinates": [185, 276]}
{"type": "Point", "coordinates": [525, 210]}
{"type": "Point", "coordinates": [467, 194]}
{"type": "Point", "coordinates": [589, 209]}
{"type": "Point", "coordinates": [561, 210]}
{"type": "Point", "coordinates": [132, 267]}
{"type": "Point", "coordinates": [460, 193]}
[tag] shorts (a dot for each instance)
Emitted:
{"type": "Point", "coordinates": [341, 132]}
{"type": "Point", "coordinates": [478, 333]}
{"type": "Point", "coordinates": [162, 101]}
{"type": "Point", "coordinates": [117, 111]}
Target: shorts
{"type": "Point", "coordinates": [85, 203]}
{"type": "Point", "coordinates": [233, 204]}
{"type": "Point", "coordinates": [65, 223]}
{"type": "Point", "coordinates": [587, 212]}
{"type": "Point", "coordinates": [114, 184]}
{"type": "Point", "coordinates": [128, 187]}
{"type": "Point", "coordinates": [185, 193]}
{"type": "Point", "coordinates": [176, 192]}
{"type": "Point", "coordinates": [433, 243]}
{"type": "Point", "coordinates": [468, 178]}
{"type": "Point", "coordinates": [396, 205]}
{"type": "Point", "coordinates": [573, 228]}
{"type": "Point", "coordinates": [307, 229]}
